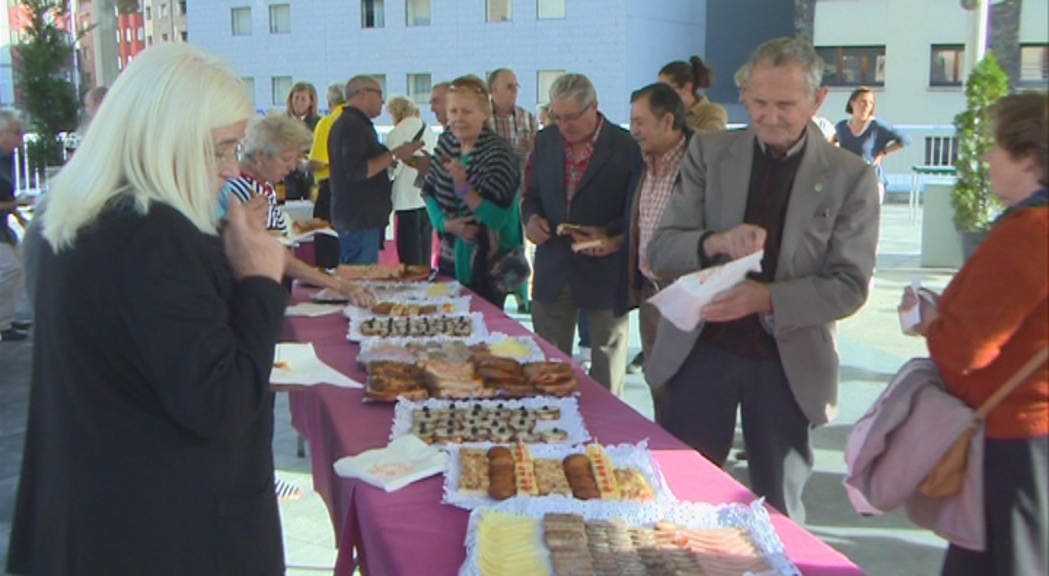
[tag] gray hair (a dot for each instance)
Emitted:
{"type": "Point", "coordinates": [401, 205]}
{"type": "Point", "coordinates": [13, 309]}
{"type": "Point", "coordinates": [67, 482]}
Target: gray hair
{"type": "Point", "coordinates": [359, 83]}
{"type": "Point", "coordinates": [8, 118]}
{"type": "Point", "coordinates": [335, 94]}
{"type": "Point", "coordinates": [494, 75]}
{"type": "Point", "coordinates": [785, 51]}
{"type": "Point", "coordinates": [575, 87]}
{"type": "Point", "coordinates": [273, 135]}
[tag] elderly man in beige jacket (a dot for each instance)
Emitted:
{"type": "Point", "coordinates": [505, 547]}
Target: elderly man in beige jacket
{"type": "Point", "coordinates": [766, 346]}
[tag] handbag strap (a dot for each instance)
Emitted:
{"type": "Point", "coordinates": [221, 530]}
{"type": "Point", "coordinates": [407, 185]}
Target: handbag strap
{"type": "Point", "coordinates": [1033, 364]}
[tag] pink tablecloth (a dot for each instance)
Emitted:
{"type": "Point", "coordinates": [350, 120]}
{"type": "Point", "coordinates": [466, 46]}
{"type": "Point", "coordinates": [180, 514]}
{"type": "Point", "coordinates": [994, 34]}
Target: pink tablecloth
{"type": "Point", "coordinates": [410, 531]}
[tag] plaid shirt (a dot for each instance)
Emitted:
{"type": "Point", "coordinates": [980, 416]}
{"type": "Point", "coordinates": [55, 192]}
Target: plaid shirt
{"type": "Point", "coordinates": [655, 194]}
{"type": "Point", "coordinates": [576, 167]}
{"type": "Point", "coordinates": [518, 128]}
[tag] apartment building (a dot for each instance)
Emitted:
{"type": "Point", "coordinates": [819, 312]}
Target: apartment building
{"type": "Point", "coordinates": [409, 45]}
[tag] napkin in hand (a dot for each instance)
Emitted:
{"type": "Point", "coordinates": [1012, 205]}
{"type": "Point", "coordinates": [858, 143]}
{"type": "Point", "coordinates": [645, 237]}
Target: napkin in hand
{"type": "Point", "coordinates": [682, 301]}
{"type": "Point", "coordinates": [405, 460]}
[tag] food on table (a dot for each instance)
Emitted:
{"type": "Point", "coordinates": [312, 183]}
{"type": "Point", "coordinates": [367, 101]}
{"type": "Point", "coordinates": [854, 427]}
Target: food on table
{"type": "Point", "coordinates": [474, 422]}
{"type": "Point", "coordinates": [453, 380]}
{"type": "Point", "coordinates": [606, 479]}
{"type": "Point", "coordinates": [551, 378]}
{"type": "Point", "coordinates": [439, 289]}
{"type": "Point", "coordinates": [524, 473]}
{"type": "Point", "coordinates": [389, 380]}
{"type": "Point", "coordinates": [633, 485]}
{"type": "Point", "coordinates": [502, 473]}
{"type": "Point", "coordinates": [510, 348]}
{"type": "Point", "coordinates": [281, 364]}
{"type": "Point", "coordinates": [580, 475]}
{"type": "Point", "coordinates": [511, 545]}
{"type": "Point", "coordinates": [411, 308]}
{"type": "Point", "coordinates": [473, 471]}
{"type": "Point", "coordinates": [374, 272]}
{"type": "Point", "coordinates": [504, 374]}
{"type": "Point", "coordinates": [418, 326]}
{"type": "Point", "coordinates": [550, 477]}
{"type": "Point", "coordinates": [566, 227]}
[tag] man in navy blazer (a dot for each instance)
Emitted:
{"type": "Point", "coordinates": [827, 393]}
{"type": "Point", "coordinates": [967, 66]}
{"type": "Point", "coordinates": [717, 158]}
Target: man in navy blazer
{"type": "Point", "coordinates": [581, 173]}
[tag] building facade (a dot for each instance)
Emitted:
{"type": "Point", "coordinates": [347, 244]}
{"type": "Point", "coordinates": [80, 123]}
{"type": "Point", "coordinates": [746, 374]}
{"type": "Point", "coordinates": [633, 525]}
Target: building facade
{"type": "Point", "coordinates": [409, 45]}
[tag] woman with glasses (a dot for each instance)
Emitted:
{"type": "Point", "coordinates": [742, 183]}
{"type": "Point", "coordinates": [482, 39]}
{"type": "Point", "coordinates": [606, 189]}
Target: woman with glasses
{"type": "Point", "coordinates": [471, 192]}
{"type": "Point", "coordinates": [149, 440]}
{"type": "Point", "coordinates": [270, 151]}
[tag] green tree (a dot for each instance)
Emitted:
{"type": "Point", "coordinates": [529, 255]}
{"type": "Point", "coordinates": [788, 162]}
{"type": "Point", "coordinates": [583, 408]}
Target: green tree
{"type": "Point", "coordinates": [974, 203]}
{"type": "Point", "coordinates": [44, 70]}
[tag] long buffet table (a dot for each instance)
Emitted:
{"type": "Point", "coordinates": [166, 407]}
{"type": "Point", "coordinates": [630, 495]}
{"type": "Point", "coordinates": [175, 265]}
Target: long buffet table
{"type": "Point", "coordinates": [409, 532]}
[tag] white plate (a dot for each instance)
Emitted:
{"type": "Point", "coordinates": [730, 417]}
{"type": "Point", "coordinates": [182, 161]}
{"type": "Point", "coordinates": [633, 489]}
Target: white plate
{"type": "Point", "coordinates": [622, 456]}
{"type": "Point", "coordinates": [571, 421]}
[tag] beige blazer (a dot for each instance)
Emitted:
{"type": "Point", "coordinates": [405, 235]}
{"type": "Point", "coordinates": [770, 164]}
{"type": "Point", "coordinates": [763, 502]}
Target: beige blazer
{"type": "Point", "coordinates": [825, 264]}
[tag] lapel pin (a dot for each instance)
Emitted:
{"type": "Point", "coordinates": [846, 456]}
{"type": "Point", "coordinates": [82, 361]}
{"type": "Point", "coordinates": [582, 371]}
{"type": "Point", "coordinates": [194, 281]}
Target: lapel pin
{"type": "Point", "coordinates": [819, 187]}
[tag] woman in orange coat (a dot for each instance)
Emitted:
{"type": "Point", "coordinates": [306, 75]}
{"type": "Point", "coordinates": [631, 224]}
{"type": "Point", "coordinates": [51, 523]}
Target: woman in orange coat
{"type": "Point", "coordinates": [992, 319]}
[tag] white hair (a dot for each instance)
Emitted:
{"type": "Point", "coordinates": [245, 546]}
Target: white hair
{"type": "Point", "coordinates": [575, 87]}
{"type": "Point", "coordinates": [785, 51]}
{"type": "Point", "coordinates": [152, 142]}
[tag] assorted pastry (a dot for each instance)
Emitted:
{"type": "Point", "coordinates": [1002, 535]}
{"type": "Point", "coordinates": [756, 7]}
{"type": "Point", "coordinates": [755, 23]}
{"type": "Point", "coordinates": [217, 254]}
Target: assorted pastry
{"type": "Point", "coordinates": [417, 326]}
{"type": "Point", "coordinates": [475, 422]}
{"type": "Point", "coordinates": [388, 381]}
{"type": "Point", "coordinates": [411, 308]}
{"type": "Point", "coordinates": [443, 375]}
{"type": "Point", "coordinates": [567, 544]}
{"type": "Point", "coordinates": [502, 472]}
{"type": "Point", "coordinates": [379, 272]}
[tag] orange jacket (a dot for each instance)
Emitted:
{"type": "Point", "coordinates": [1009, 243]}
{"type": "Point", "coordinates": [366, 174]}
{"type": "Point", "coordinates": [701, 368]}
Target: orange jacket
{"type": "Point", "coordinates": [994, 317]}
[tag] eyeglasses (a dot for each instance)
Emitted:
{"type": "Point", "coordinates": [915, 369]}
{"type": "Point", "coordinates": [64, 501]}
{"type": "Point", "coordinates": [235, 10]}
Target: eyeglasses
{"type": "Point", "coordinates": [232, 152]}
{"type": "Point", "coordinates": [554, 118]}
{"type": "Point", "coordinates": [375, 90]}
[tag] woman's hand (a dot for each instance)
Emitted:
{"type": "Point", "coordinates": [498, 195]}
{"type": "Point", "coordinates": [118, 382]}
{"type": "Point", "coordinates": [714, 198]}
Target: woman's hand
{"type": "Point", "coordinates": [359, 295]}
{"type": "Point", "coordinates": [457, 171]}
{"type": "Point", "coordinates": [465, 228]}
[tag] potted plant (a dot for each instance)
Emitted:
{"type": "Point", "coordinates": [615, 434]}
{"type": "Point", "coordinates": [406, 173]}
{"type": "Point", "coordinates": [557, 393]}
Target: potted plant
{"type": "Point", "coordinates": [43, 64]}
{"type": "Point", "coordinates": [974, 203]}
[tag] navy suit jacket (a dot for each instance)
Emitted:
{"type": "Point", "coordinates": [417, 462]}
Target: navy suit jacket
{"type": "Point", "coordinates": [602, 199]}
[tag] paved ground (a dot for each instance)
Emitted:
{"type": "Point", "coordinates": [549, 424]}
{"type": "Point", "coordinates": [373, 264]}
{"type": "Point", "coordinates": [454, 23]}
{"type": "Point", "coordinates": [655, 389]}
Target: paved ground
{"type": "Point", "coordinates": [871, 347]}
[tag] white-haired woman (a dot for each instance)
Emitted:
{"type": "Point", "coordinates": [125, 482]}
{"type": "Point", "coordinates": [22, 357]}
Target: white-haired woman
{"type": "Point", "coordinates": [414, 232]}
{"type": "Point", "coordinates": [148, 445]}
{"type": "Point", "coordinates": [270, 151]}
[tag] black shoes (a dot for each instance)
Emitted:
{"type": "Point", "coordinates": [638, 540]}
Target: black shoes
{"type": "Point", "coordinates": [13, 335]}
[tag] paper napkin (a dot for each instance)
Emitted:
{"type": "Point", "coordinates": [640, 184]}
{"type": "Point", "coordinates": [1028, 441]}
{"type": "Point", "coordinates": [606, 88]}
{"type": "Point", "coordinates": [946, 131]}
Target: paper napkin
{"type": "Point", "coordinates": [682, 301]}
{"type": "Point", "coordinates": [405, 460]}
{"type": "Point", "coordinates": [312, 309]}
{"type": "Point", "coordinates": [297, 363]}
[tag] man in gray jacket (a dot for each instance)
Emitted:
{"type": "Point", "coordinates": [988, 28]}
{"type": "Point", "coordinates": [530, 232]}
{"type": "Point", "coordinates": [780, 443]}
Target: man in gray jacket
{"type": "Point", "coordinates": [766, 346]}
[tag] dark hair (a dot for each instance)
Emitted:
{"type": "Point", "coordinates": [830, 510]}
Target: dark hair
{"type": "Point", "coordinates": [695, 71]}
{"type": "Point", "coordinates": [856, 94]}
{"type": "Point", "coordinates": [494, 75]}
{"type": "Point", "coordinates": [1021, 125]}
{"type": "Point", "coordinates": [663, 100]}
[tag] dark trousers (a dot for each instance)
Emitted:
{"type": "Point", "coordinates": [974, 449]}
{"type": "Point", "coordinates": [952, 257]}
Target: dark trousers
{"type": "Point", "coordinates": [414, 236]}
{"type": "Point", "coordinates": [1016, 503]}
{"type": "Point", "coordinates": [326, 248]}
{"type": "Point", "coordinates": [699, 407]}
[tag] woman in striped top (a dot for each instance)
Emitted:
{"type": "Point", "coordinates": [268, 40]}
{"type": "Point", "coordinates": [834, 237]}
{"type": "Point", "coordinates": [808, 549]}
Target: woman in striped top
{"type": "Point", "coordinates": [471, 189]}
{"type": "Point", "coordinates": [270, 150]}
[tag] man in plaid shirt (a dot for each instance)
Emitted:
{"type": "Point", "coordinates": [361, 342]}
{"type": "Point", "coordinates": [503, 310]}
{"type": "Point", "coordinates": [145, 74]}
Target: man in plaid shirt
{"type": "Point", "coordinates": [518, 127]}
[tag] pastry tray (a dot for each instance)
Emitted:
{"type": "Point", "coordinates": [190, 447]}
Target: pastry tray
{"type": "Point", "coordinates": [753, 518]}
{"type": "Point", "coordinates": [413, 290]}
{"type": "Point", "coordinates": [460, 305]}
{"type": "Point", "coordinates": [622, 456]}
{"type": "Point", "coordinates": [372, 348]}
{"type": "Point", "coordinates": [571, 421]}
{"type": "Point", "coordinates": [478, 327]}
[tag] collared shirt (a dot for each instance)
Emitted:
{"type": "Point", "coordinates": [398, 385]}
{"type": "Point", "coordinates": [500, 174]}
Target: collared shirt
{"type": "Point", "coordinates": [319, 149]}
{"type": "Point", "coordinates": [247, 186]}
{"type": "Point", "coordinates": [576, 167]}
{"type": "Point", "coordinates": [655, 194]}
{"type": "Point", "coordinates": [518, 128]}
{"type": "Point", "coordinates": [358, 202]}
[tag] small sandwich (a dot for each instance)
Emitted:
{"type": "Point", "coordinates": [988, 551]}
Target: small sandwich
{"type": "Point", "coordinates": [567, 228]}
{"type": "Point", "coordinates": [588, 244]}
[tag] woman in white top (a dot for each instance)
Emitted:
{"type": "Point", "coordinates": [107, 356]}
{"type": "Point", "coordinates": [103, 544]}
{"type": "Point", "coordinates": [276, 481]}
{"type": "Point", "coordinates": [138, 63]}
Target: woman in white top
{"type": "Point", "coordinates": [414, 231]}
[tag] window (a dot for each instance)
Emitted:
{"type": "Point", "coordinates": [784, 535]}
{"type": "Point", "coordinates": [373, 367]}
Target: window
{"type": "Point", "coordinates": [417, 12]}
{"type": "Point", "coordinates": [127, 35]}
{"type": "Point", "coordinates": [149, 40]}
{"type": "Point", "coordinates": [149, 13]}
{"type": "Point", "coordinates": [141, 33]}
{"type": "Point", "coordinates": [181, 6]}
{"type": "Point", "coordinates": [419, 88]}
{"type": "Point", "coordinates": [249, 87]}
{"type": "Point", "coordinates": [280, 19]}
{"type": "Point", "coordinates": [544, 80]}
{"type": "Point", "coordinates": [185, 36]}
{"type": "Point", "coordinates": [500, 10]}
{"type": "Point", "coordinates": [1034, 64]}
{"type": "Point", "coordinates": [241, 18]}
{"type": "Point", "coordinates": [372, 14]}
{"type": "Point", "coordinates": [853, 65]}
{"type": "Point", "coordinates": [164, 37]}
{"type": "Point", "coordinates": [163, 10]}
{"type": "Point", "coordinates": [945, 65]}
{"type": "Point", "coordinates": [281, 88]}
{"type": "Point", "coordinates": [549, 9]}
{"type": "Point", "coordinates": [941, 150]}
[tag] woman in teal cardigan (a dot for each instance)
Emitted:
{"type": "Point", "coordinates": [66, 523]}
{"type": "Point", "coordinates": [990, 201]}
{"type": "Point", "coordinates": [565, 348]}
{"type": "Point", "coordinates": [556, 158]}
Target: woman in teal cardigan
{"type": "Point", "coordinates": [470, 192]}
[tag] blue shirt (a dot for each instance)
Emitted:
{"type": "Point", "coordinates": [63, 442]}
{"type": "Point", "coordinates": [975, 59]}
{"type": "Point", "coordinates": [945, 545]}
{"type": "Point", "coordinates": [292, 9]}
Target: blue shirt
{"type": "Point", "coordinates": [871, 142]}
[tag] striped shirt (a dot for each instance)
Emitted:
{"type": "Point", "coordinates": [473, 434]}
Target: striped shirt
{"type": "Point", "coordinates": [492, 172]}
{"type": "Point", "coordinates": [655, 194]}
{"type": "Point", "coordinates": [247, 186]}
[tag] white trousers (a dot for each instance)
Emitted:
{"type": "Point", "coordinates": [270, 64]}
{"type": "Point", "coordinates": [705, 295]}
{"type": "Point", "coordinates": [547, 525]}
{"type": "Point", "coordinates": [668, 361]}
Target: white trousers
{"type": "Point", "coordinates": [12, 282]}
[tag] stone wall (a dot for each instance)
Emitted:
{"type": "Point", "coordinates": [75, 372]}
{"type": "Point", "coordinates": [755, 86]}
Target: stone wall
{"type": "Point", "coordinates": [1004, 27]}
